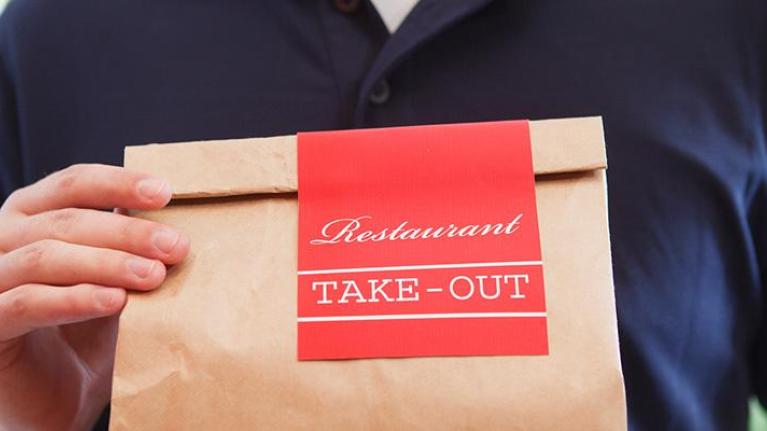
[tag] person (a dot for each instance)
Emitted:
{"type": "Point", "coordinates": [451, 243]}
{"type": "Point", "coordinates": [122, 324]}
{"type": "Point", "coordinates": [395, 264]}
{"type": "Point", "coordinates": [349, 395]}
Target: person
{"type": "Point", "coordinates": [682, 88]}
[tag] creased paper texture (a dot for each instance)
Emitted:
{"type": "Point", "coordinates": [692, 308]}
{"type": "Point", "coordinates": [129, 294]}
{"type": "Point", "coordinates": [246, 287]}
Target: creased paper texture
{"type": "Point", "coordinates": [215, 346]}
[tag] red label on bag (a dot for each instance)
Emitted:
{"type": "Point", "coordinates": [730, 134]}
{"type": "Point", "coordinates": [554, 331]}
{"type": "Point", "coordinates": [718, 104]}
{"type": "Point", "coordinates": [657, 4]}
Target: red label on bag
{"type": "Point", "coordinates": [419, 241]}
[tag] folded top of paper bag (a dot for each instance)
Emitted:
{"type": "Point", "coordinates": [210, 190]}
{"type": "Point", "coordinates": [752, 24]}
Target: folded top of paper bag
{"type": "Point", "coordinates": [237, 167]}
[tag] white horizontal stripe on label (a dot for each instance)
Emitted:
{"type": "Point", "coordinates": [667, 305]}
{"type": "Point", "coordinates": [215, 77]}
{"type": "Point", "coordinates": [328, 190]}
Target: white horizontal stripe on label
{"type": "Point", "coordinates": [488, 315]}
{"type": "Point", "coordinates": [411, 267]}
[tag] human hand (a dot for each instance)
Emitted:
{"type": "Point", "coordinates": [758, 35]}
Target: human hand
{"type": "Point", "coordinates": [64, 269]}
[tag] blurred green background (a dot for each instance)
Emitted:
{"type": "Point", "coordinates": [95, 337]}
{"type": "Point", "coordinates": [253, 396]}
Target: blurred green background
{"type": "Point", "coordinates": [758, 418]}
{"type": "Point", "coordinates": [758, 415]}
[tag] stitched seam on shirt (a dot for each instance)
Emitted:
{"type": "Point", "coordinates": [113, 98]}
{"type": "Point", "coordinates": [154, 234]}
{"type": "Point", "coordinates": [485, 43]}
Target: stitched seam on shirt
{"type": "Point", "coordinates": [422, 8]}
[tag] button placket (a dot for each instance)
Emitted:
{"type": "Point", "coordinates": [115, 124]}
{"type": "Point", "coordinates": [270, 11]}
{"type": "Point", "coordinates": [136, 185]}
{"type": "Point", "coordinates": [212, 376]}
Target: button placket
{"type": "Point", "coordinates": [347, 6]}
{"type": "Point", "coordinates": [380, 93]}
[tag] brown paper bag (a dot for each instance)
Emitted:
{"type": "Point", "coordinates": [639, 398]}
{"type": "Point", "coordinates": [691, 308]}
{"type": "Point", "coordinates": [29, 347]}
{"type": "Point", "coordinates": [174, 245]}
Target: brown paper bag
{"type": "Point", "coordinates": [215, 346]}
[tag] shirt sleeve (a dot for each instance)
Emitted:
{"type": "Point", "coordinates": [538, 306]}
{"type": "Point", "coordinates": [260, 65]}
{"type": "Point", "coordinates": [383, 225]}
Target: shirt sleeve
{"type": "Point", "coordinates": [11, 176]}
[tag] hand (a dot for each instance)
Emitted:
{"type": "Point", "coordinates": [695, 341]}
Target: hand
{"type": "Point", "coordinates": [64, 268]}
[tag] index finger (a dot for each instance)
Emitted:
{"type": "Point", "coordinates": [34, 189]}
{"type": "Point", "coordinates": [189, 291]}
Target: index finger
{"type": "Point", "coordinates": [92, 186]}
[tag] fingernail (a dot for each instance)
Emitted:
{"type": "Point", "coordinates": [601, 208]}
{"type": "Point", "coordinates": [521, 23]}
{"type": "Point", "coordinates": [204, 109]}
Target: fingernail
{"type": "Point", "coordinates": [154, 188]}
{"type": "Point", "coordinates": [141, 267]}
{"type": "Point", "coordinates": [109, 298]}
{"type": "Point", "coordinates": [165, 240]}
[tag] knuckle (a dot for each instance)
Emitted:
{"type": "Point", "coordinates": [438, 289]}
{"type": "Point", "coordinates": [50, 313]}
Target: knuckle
{"type": "Point", "coordinates": [61, 222]}
{"type": "Point", "coordinates": [16, 306]}
{"type": "Point", "coordinates": [66, 305]}
{"type": "Point", "coordinates": [75, 169]}
{"type": "Point", "coordinates": [6, 233]}
{"type": "Point", "coordinates": [68, 177]}
{"type": "Point", "coordinates": [136, 235]}
{"type": "Point", "coordinates": [64, 180]}
{"type": "Point", "coordinates": [141, 233]}
{"type": "Point", "coordinates": [126, 231]}
{"type": "Point", "coordinates": [30, 257]}
{"type": "Point", "coordinates": [15, 196]}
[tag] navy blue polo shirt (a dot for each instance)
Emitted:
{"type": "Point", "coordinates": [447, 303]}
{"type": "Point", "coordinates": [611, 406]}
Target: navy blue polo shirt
{"type": "Point", "coordinates": [682, 86]}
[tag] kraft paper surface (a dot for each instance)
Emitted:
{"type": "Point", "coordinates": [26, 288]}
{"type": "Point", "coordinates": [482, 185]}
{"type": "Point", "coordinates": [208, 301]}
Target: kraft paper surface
{"type": "Point", "coordinates": [215, 346]}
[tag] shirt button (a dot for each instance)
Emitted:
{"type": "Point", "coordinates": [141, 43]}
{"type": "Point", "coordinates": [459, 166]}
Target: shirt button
{"type": "Point", "coordinates": [381, 93]}
{"type": "Point", "coordinates": [347, 6]}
